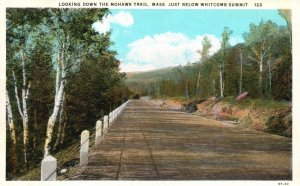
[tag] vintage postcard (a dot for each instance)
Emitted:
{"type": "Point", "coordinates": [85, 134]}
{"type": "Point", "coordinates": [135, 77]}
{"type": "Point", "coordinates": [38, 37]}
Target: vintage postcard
{"type": "Point", "coordinates": [151, 92]}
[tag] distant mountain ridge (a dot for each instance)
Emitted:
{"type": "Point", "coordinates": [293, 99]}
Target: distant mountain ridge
{"type": "Point", "coordinates": [154, 75]}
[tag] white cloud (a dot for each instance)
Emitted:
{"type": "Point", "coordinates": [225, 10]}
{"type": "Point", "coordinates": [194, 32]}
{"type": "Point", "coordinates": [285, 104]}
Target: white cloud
{"type": "Point", "coordinates": [122, 18]}
{"type": "Point", "coordinates": [163, 50]}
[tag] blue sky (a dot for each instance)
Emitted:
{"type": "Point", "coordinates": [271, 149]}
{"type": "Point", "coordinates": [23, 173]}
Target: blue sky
{"type": "Point", "coordinates": [151, 39]}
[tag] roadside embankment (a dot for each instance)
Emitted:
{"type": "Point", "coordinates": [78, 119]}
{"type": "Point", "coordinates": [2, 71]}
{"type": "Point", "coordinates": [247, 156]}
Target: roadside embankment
{"type": "Point", "coordinates": [263, 115]}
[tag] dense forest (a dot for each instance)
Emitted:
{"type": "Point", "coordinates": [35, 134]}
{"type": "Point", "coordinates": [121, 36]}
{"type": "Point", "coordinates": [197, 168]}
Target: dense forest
{"type": "Point", "coordinates": [261, 66]}
{"type": "Point", "coordinates": [61, 77]}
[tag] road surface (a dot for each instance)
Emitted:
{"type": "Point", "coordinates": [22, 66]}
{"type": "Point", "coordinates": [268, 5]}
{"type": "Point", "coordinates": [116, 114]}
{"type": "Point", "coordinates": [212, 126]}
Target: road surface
{"type": "Point", "coordinates": [147, 142]}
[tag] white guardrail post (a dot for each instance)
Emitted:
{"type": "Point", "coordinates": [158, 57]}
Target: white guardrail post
{"type": "Point", "coordinates": [106, 123]}
{"type": "Point", "coordinates": [98, 131]}
{"type": "Point", "coordinates": [105, 120]}
{"type": "Point", "coordinates": [109, 118]}
{"type": "Point", "coordinates": [49, 163]}
{"type": "Point", "coordinates": [84, 148]}
{"type": "Point", "coordinates": [48, 169]}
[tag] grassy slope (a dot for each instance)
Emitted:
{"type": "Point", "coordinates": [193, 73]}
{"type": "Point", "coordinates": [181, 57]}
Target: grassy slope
{"type": "Point", "coordinates": [64, 156]}
{"type": "Point", "coordinates": [259, 103]}
{"type": "Point", "coordinates": [265, 115]}
{"type": "Point", "coordinates": [260, 114]}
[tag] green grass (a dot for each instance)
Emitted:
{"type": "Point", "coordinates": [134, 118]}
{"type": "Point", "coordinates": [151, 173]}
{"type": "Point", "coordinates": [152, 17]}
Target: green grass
{"type": "Point", "coordinates": [246, 103]}
{"type": "Point", "coordinates": [32, 175]}
{"type": "Point", "coordinates": [62, 157]}
{"type": "Point", "coordinates": [176, 98]}
{"type": "Point", "coordinates": [258, 103]}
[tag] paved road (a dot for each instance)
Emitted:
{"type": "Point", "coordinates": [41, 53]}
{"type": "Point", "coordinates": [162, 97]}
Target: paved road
{"type": "Point", "coordinates": [148, 142]}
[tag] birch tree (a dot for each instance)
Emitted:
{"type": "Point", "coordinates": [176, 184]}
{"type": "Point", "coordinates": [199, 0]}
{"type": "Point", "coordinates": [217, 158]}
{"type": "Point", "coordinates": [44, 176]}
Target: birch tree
{"type": "Point", "coordinates": [260, 39]}
{"type": "Point", "coordinates": [241, 72]}
{"type": "Point", "coordinates": [21, 24]}
{"type": "Point", "coordinates": [12, 131]}
{"type": "Point", "coordinates": [204, 54]}
{"type": "Point", "coordinates": [69, 41]}
{"type": "Point", "coordinates": [224, 46]}
{"type": "Point", "coordinates": [10, 120]}
{"type": "Point", "coordinates": [23, 108]}
{"type": "Point", "coordinates": [59, 91]}
{"type": "Point", "coordinates": [61, 123]}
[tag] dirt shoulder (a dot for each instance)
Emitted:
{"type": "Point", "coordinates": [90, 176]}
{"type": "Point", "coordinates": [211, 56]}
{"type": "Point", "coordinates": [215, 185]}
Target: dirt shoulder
{"type": "Point", "coordinates": [263, 115]}
{"type": "Point", "coordinates": [168, 103]}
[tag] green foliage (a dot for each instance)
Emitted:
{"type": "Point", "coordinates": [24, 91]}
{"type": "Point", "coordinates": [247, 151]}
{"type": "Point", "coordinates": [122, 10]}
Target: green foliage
{"type": "Point", "coordinates": [206, 45]}
{"type": "Point", "coordinates": [40, 99]}
{"type": "Point", "coordinates": [282, 88]}
{"type": "Point", "coordinates": [94, 84]}
{"type": "Point", "coordinates": [93, 92]}
{"type": "Point", "coordinates": [225, 38]}
{"type": "Point", "coordinates": [287, 15]}
{"type": "Point", "coordinates": [258, 103]}
{"type": "Point", "coordinates": [261, 36]}
{"type": "Point", "coordinates": [276, 124]}
{"type": "Point", "coordinates": [136, 96]}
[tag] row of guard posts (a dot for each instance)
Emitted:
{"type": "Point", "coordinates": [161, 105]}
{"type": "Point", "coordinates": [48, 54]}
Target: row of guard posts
{"type": "Point", "coordinates": [49, 163]}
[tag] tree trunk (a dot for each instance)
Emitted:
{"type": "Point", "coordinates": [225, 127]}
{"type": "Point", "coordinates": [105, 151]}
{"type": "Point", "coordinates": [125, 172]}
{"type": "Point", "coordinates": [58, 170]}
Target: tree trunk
{"type": "Point", "coordinates": [198, 83]}
{"type": "Point", "coordinates": [223, 84]}
{"type": "Point", "coordinates": [291, 40]}
{"type": "Point", "coordinates": [11, 127]}
{"type": "Point", "coordinates": [223, 76]}
{"type": "Point", "coordinates": [58, 74]}
{"type": "Point", "coordinates": [221, 81]}
{"type": "Point", "coordinates": [23, 110]}
{"type": "Point", "coordinates": [270, 77]}
{"type": "Point", "coordinates": [260, 76]}
{"type": "Point", "coordinates": [25, 128]}
{"type": "Point", "coordinates": [25, 92]}
{"type": "Point", "coordinates": [241, 74]}
{"type": "Point", "coordinates": [59, 130]}
{"type": "Point", "coordinates": [35, 136]}
{"type": "Point", "coordinates": [187, 89]}
{"type": "Point", "coordinates": [52, 119]}
{"type": "Point", "coordinates": [19, 107]}
{"type": "Point", "coordinates": [17, 95]}
{"type": "Point", "coordinates": [62, 139]}
{"type": "Point", "coordinates": [10, 120]}
{"type": "Point", "coordinates": [64, 122]}
{"type": "Point", "coordinates": [57, 103]}
{"type": "Point", "coordinates": [12, 155]}
{"type": "Point", "coordinates": [60, 123]}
